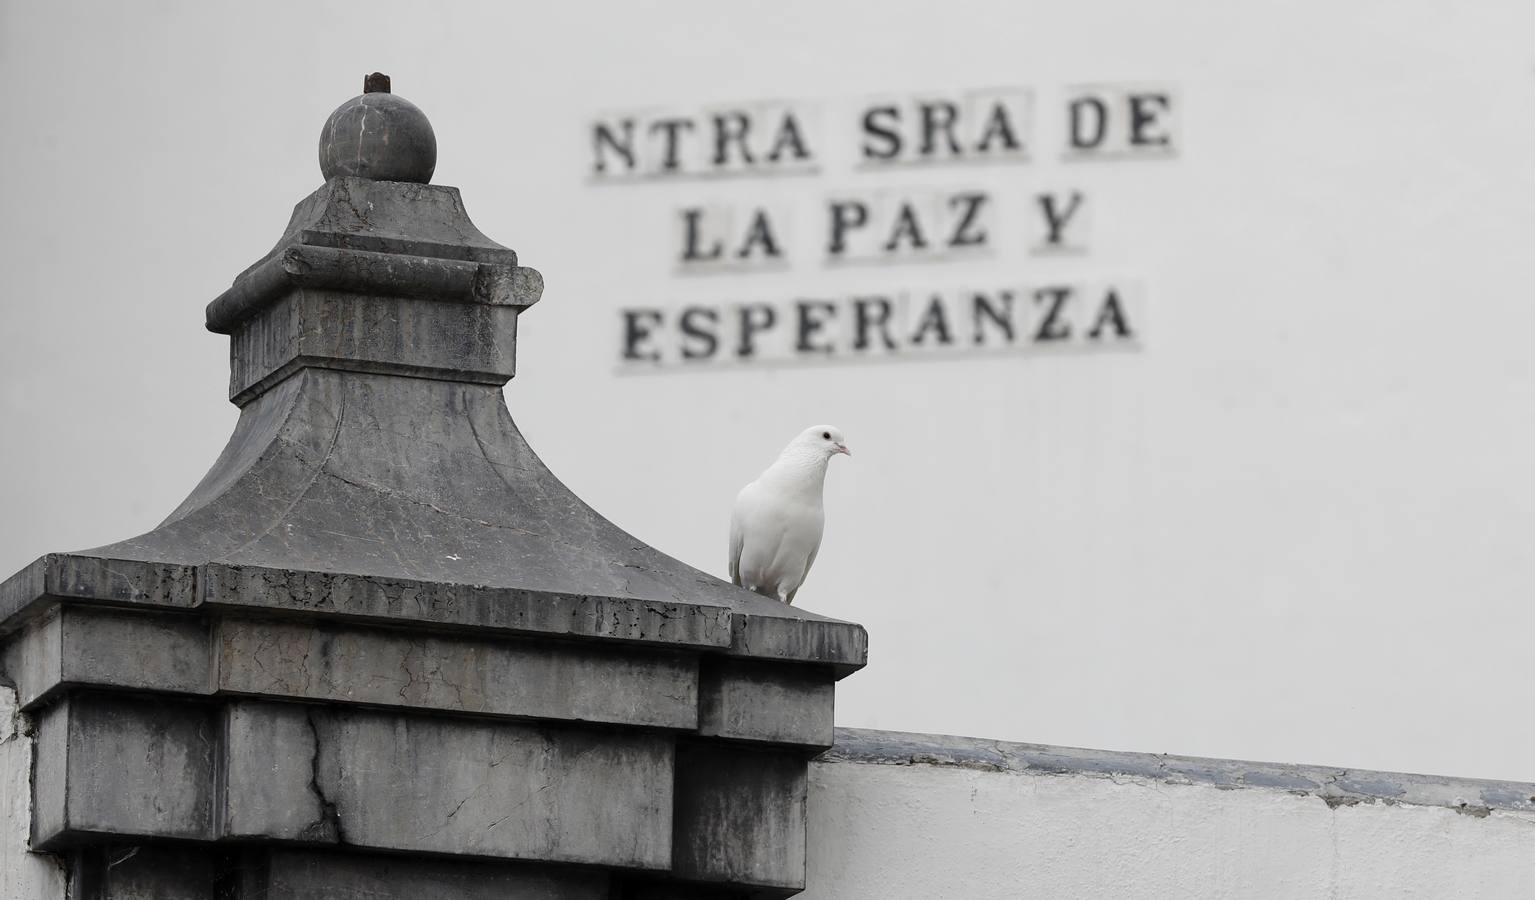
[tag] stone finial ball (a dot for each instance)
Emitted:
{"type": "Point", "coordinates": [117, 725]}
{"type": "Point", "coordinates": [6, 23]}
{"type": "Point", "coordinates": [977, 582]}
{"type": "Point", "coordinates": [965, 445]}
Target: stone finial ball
{"type": "Point", "coordinates": [380, 136]}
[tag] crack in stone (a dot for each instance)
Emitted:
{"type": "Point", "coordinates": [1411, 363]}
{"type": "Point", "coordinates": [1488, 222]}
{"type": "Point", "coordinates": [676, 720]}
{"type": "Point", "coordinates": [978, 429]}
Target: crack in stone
{"type": "Point", "coordinates": [393, 494]}
{"type": "Point", "coordinates": [330, 816]}
{"type": "Point", "coordinates": [524, 802]}
{"type": "Point", "coordinates": [411, 647]}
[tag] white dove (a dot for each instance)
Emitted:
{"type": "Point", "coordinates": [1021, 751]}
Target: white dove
{"type": "Point", "coordinates": [775, 528]}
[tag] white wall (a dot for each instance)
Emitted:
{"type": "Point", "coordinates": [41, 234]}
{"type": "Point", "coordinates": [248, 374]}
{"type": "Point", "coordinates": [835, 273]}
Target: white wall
{"type": "Point", "coordinates": [1292, 526]}
{"type": "Point", "coordinates": [904, 832]}
{"type": "Point", "coordinates": [23, 875]}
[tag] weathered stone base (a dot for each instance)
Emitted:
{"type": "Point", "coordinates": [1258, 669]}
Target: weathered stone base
{"type": "Point", "coordinates": [247, 732]}
{"type": "Point", "coordinates": [180, 872]}
{"type": "Point", "coordinates": [166, 796]}
{"type": "Point", "coordinates": [260, 770]}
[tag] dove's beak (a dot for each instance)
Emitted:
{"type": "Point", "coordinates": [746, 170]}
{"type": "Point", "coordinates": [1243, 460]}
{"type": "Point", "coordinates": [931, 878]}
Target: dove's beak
{"type": "Point", "coordinates": [842, 448]}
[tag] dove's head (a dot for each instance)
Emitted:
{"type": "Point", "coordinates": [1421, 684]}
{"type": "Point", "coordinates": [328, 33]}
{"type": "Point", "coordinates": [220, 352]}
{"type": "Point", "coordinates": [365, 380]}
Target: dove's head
{"type": "Point", "coordinates": [826, 440]}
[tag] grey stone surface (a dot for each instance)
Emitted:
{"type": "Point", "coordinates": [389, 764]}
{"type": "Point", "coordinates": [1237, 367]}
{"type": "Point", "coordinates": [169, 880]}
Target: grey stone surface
{"type": "Point", "coordinates": [174, 871]}
{"type": "Point", "coordinates": [111, 765]}
{"type": "Point", "coordinates": [50, 774]}
{"type": "Point", "coordinates": [378, 135]}
{"type": "Point", "coordinates": [405, 219]}
{"type": "Point", "coordinates": [269, 754]}
{"type": "Point", "coordinates": [32, 660]}
{"type": "Point", "coordinates": [411, 225]}
{"type": "Point", "coordinates": [740, 817]}
{"type": "Point", "coordinates": [467, 608]}
{"type": "Point", "coordinates": [510, 677]}
{"type": "Point", "coordinates": [89, 647]}
{"type": "Point", "coordinates": [367, 333]}
{"type": "Point", "coordinates": [126, 580]}
{"type": "Point", "coordinates": [298, 875]}
{"type": "Point", "coordinates": [478, 788]}
{"type": "Point", "coordinates": [94, 647]}
{"type": "Point", "coordinates": [1335, 786]}
{"type": "Point", "coordinates": [33, 591]}
{"type": "Point", "coordinates": [135, 650]}
{"type": "Point", "coordinates": [752, 701]}
{"type": "Point", "coordinates": [24, 595]}
{"type": "Point", "coordinates": [143, 872]}
{"type": "Point", "coordinates": [124, 766]}
{"type": "Point", "coordinates": [364, 474]}
{"type": "Point", "coordinates": [760, 635]}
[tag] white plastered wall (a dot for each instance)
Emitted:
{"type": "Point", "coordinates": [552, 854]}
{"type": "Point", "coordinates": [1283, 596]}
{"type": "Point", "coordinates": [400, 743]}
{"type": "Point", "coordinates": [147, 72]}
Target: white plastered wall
{"type": "Point", "coordinates": [23, 875]}
{"type": "Point", "coordinates": [892, 832]}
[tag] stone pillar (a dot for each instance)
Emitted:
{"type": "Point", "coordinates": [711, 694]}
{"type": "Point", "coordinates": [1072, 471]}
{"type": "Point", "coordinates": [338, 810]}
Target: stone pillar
{"type": "Point", "coordinates": [380, 651]}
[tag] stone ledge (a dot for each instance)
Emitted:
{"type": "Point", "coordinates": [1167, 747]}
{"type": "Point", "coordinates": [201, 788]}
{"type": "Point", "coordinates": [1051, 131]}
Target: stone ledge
{"type": "Point", "coordinates": [368, 271]}
{"type": "Point", "coordinates": [1338, 787]}
{"type": "Point", "coordinates": [842, 646]}
{"type": "Point", "coordinates": [388, 217]}
{"type": "Point", "coordinates": [494, 676]}
{"type": "Point", "coordinates": [463, 606]}
{"type": "Point", "coordinates": [35, 589]}
{"type": "Point", "coordinates": [407, 238]}
{"type": "Point", "coordinates": [457, 607]}
{"type": "Point", "coordinates": [771, 635]}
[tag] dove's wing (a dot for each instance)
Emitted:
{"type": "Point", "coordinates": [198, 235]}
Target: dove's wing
{"type": "Point", "coordinates": [803, 575]}
{"type": "Point", "coordinates": [737, 538]}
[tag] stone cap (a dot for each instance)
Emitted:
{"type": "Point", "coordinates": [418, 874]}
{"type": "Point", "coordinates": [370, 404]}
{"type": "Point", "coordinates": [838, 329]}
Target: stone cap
{"type": "Point", "coordinates": [723, 628]}
{"type": "Point", "coordinates": [378, 135]}
{"type": "Point", "coordinates": [377, 226]}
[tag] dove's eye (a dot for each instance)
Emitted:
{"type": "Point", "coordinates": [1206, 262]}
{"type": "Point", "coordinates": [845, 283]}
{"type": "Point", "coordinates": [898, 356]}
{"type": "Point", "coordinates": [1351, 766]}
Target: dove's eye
{"type": "Point", "coordinates": [826, 435]}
